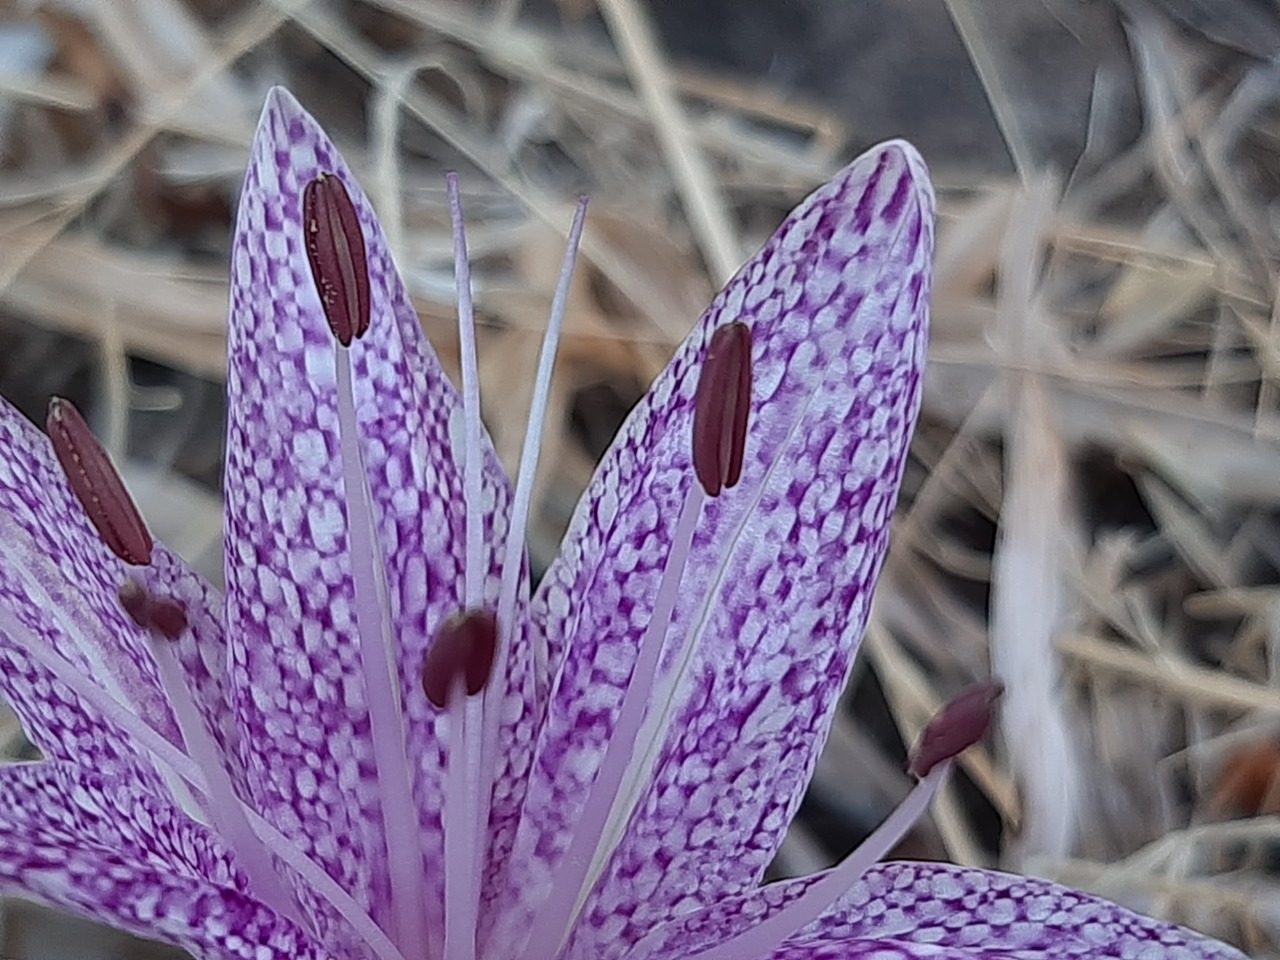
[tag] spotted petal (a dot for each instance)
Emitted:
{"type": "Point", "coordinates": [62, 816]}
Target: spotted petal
{"type": "Point", "coordinates": [913, 910]}
{"type": "Point", "coordinates": [299, 693]}
{"type": "Point", "coordinates": [58, 599]}
{"type": "Point", "coordinates": [105, 849]}
{"type": "Point", "coordinates": [775, 595]}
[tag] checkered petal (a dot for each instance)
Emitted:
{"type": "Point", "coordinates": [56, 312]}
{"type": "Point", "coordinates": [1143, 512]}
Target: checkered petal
{"type": "Point", "coordinates": [778, 585]}
{"type": "Point", "coordinates": [298, 690]}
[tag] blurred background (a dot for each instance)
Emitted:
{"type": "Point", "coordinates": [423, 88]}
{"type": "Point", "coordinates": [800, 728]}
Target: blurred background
{"type": "Point", "coordinates": [1090, 510]}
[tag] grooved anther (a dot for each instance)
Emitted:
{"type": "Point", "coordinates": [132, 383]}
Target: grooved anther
{"type": "Point", "coordinates": [159, 616]}
{"type": "Point", "coordinates": [720, 409]}
{"type": "Point", "coordinates": [957, 726]}
{"type": "Point", "coordinates": [463, 649]}
{"type": "Point", "coordinates": [336, 251]}
{"type": "Point", "coordinates": [96, 484]}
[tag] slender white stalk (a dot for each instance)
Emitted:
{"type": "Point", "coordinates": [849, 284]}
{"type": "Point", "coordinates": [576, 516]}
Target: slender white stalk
{"type": "Point", "coordinates": [473, 464]}
{"type": "Point", "coordinates": [171, 758]}
{"type": "Point", "coordinates": [513, 558]}
{"type": "Point", "coordinates": [381, 677]}
{"type": "Point", "coordinates": [514, 555]}
{"type": "Point", "coordinates": [464, 813]}
{"type": "Point", "coordinates": [224, 806]}
{"type": "Point", "coordinates": [569, 889]}
{"type": "Point", "coordinates": [463, 855]}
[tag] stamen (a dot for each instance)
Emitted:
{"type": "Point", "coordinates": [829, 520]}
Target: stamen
{"type": "Point", "coordinates": [339, 265]}
{"type": "Point", "coordinates": [159, 615]}
{"type": "Point", "coordinates": [461, 656]}
{"type": "Point", "coordinates": [382, 687]}
{"type": "Point", "coordinates": [165, 620]}
{"type": "Point", "coordinates": [585, 851]}
{"type": "Point", "coordinates": [720, 409]}
{"type": "Point", "coordinates": [336, 251]}
{"type": "Point", "coordinates": [96, 484]}
{"type": "Point", "coordinates": [957, 726]}
{"type": "Point", "coordinates": [464, 830]}
{"type": "Point", "coordinates": [136, 729]}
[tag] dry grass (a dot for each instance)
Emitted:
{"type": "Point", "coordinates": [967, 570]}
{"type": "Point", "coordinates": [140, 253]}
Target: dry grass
{"type": "Point", "coordinates": [1091, 507]}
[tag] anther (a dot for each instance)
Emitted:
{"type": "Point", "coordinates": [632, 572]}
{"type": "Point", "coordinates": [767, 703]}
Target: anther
{"type": "Point", "coordinates": [463, 649]}
{"type": "Point", "coordinates": [336, 251]}
{"type": "Point", "coordinates": [720, 409]}
{"type": "Point", "coordinates": [96, 484]}
{"type": "Point", "coordinates": [159, 616]}
{"type": "Point", "coordinates": [957, 726]}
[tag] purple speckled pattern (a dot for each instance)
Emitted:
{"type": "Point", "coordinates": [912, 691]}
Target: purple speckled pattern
{"type": "Point", "coordinates": [297, 686]}
{"type": "Point", "coordinates": [771, 608]}
{"type": "Point", "coordinates": [61, 583]}
{"type": "Point", "coordinates": [915, 910]}
{"type": "Point", "coordinates": [111, 813]}
{"type": "Point", "coordinates": [106, 848]}
{"type": "Point", "coordinates": [778, 585]}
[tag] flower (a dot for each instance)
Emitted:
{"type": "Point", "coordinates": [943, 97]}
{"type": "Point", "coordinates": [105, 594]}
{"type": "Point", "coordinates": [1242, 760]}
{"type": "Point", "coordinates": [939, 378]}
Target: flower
{"type": "Point", "coordinates": [378, 745]}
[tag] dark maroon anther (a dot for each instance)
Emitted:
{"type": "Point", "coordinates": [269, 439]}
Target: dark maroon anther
{"type": "Point", "coordinates": [463, 649]}
{"type": "Point", "coordinates": [159, 616]}
{"type": "Point", "coordinates": [136, 600]}
{"type": "Point", "coordinates": [720, 409]}
{"type": "Point", "coordinates": [336, 252]}
{"type": "Point", "coordinates": [97, 485]}
{"type": "Point", "coordinates": [957, 726]}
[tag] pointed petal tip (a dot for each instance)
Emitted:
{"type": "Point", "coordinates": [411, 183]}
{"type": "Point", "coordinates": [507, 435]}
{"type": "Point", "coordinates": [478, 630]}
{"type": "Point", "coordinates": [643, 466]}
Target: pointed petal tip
{"type": "Point", "coordinates": [902, 149]}
{"type": "Point", "coordinates": [280, 103]}
{"type": "Point", "coordinates": [283, 119]}
{"type": "Point", "coordinates": [895, 154]}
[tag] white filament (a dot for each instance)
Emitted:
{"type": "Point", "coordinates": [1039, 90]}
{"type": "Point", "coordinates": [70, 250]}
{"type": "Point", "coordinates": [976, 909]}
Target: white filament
{"type": "Point", "coordinates": [223, 806]}
{"type": "Point", "coordinates": [381, 676]}
{"type": "Point", "coordinates": [464, 828]}
{"type": "Point", "coordinates": [586, 851]}
{"type": "Point", "coordinates": [130, 723]}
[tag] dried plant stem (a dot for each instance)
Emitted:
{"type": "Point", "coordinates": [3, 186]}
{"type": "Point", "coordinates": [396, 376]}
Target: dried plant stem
{"type": "Point", "coordinates": [694, 180]}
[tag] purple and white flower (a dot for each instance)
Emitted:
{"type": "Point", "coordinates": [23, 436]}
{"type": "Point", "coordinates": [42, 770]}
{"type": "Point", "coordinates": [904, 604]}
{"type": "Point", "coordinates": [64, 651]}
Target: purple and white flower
{"type": "Point", "coordinates": [378, 745]}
